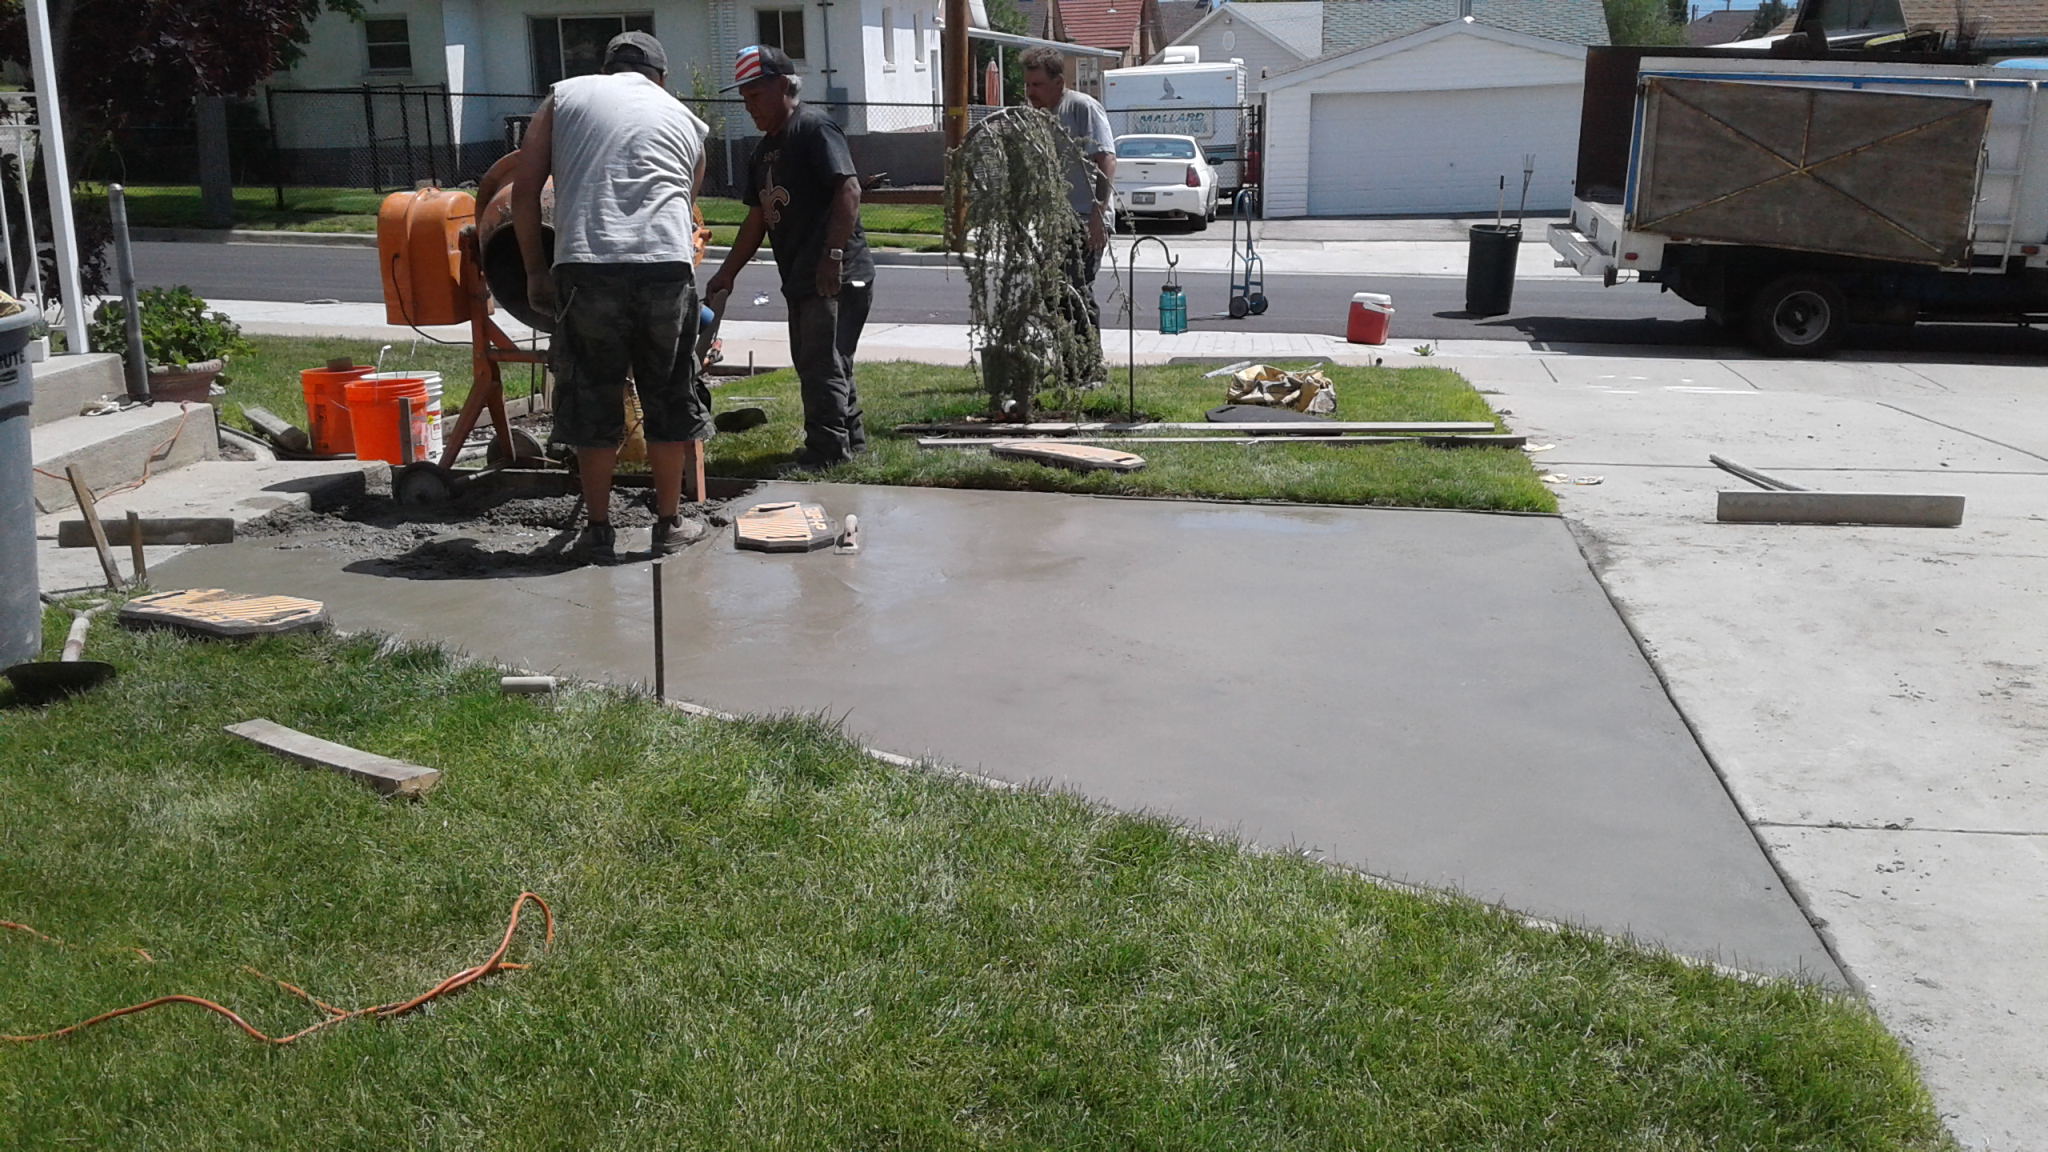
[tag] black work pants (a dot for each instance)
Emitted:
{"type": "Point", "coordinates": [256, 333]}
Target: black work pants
{"type": "Point", "coordinates": [824, 332]}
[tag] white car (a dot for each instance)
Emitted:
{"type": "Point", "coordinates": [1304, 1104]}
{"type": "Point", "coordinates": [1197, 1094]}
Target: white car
{"type": "Point", "coordinates": [1165, 178]}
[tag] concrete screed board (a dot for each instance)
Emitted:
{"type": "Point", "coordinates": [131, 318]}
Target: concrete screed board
{"type": "Point", "coordinates": [1442, 698]}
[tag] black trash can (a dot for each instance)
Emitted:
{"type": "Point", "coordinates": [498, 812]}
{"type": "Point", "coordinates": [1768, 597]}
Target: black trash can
{"type": "Point", "coordinates": [21, 611]}
{"type": "Point", "coordinates": [1490, 268]}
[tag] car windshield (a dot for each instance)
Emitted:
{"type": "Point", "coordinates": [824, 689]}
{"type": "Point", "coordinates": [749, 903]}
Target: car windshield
{"type": "Point", "coordinates": [1155, 148]}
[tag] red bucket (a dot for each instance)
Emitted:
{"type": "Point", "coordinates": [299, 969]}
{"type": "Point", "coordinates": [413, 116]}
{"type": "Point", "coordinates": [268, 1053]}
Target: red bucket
{"type": "Point", "coordinates": [374, 414]}
{"type": "Point", "coordinates": [327, 419]}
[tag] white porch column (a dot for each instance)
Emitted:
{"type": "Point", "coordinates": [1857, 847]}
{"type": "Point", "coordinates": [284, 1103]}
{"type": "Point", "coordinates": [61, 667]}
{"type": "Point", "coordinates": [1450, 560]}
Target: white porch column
{"type": "Point", "coordinates": [57, 171]}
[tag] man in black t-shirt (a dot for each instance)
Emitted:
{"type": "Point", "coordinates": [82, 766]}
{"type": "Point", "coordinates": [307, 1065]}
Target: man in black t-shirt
{"type": "Point", "coordinates": [803, 195]}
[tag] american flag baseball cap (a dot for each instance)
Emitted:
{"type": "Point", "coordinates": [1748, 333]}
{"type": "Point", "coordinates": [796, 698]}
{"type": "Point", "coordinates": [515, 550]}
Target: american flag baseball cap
{"type": "Point", "coordinates": [758, 62]}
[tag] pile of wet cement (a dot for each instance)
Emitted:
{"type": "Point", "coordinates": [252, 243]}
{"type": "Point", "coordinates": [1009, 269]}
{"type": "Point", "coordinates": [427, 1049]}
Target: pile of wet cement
{"type": "Point", "coordinates": [475, 536]}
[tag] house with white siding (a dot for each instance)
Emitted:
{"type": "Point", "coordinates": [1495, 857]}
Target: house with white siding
{"type": "Point", "coordinates": [1422, 106]}
{"type": "Point", "coordinates": [411, 68]}
{"type": "Point", "coordinates": [1270, 36]}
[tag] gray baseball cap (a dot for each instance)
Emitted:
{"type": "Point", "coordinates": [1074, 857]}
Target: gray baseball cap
{"type": "Point", "coordinates": [635, 48]}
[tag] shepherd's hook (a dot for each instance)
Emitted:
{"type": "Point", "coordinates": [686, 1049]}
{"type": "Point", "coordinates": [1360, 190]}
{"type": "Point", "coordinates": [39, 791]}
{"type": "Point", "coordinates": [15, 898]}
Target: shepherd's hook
{"type": "Point", "coordinates": [1131, 328]}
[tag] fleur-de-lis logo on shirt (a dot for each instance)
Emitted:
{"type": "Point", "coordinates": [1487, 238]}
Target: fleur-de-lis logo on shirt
{"type": "Point", "coordinates": [773, 203]}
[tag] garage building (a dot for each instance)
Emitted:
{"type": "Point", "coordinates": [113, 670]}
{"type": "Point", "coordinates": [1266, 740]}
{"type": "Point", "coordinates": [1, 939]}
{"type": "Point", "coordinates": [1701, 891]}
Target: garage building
{"type": "Point", "coordinates": [1426, 121]}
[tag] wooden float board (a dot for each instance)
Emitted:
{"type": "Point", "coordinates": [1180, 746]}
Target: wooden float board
{"type": "Point", "coordinates": [1902, 509]}
{"type": "Point", "coordinates": [1324, 427]}
{"type": "Point", "coordinates": [218, 612]}
{"type": "Point", "coordinates": [1067, 454]}
{"type": "Point", "coordinates": [386, 775]}
{"type": "Point", "coordinates": [787, 526]}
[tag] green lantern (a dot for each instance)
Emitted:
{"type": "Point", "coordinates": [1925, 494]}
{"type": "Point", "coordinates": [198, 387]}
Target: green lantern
{"type": "Point", "coordinates": [1173, 306]}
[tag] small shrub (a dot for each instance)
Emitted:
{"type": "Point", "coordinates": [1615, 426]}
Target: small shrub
{"type": "Point", "coordinates": [177, 330]}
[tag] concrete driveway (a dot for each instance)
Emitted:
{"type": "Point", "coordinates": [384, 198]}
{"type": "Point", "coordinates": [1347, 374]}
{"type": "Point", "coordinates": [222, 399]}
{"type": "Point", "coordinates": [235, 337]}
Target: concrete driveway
{"type": "Point", "coordinates": [1877, 698]}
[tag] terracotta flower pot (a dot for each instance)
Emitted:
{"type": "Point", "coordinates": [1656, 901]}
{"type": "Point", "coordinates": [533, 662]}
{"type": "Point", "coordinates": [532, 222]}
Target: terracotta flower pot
{"type": "Point", "coordinates": [190, 383]}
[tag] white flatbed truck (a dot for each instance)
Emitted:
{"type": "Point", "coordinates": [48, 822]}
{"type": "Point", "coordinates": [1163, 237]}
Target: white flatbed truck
{"type": "Point", "coordinates": [1792, 197]}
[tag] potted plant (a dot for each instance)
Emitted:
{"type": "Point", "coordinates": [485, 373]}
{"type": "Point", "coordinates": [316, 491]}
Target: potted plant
{"type": "Point", "coordinates": [186, 345]}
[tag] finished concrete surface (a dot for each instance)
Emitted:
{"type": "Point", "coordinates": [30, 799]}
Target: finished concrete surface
{"type": "Point", "coordinates": [1442, 698]}
{"type": "Point", "coordinates": [1876, 697]}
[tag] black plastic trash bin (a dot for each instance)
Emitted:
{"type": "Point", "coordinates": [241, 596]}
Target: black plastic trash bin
{"type": "Point", "coordinates": [1490, 268]}
{"type": "Point", "coordinates": [21, 611]}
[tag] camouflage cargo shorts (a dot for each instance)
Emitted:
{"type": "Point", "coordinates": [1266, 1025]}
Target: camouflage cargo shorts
{"type": "Point", "coordinates": [621, 319]}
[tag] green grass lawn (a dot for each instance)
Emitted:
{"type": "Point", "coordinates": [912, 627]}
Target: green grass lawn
{"type": "Point", "coordinates": [918, 227]}
{"type": "Point", "coordinates": [1395, 474]}
{"type": "Point", "coordinates": [896, 393]}
{"type": "Point", "coordinates": [768, 940]}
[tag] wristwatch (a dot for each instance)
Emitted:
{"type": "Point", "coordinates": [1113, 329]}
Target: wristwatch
{"type": "Point", "coordinates": [838, 254]}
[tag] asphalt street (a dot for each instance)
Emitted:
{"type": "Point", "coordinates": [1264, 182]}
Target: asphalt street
{"type": "Point", "coordinates": [1547, 311]}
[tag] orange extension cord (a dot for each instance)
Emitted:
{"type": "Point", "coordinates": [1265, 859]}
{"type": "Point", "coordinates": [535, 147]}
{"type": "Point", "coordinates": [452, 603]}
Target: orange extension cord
{"type": "Point", "coordinates": [335, 1015]}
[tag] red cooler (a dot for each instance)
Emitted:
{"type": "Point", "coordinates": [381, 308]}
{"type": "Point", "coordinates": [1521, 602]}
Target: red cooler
{"type": "Point", "coordinates": [1370, 315]}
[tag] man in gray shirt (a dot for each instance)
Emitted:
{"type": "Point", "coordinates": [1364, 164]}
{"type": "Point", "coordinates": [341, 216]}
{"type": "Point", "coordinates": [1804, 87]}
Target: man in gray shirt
{"type": "Point", "coordinates": [1088, 183]}
{"type": "Point", "coordinates": [627, 159]}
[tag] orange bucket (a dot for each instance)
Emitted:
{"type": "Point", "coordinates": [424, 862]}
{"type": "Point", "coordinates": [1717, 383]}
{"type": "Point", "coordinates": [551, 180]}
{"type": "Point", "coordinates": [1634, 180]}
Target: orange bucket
{"type": "Point", "coordinates": [327, 419]}
{"type": "Point", "coordinates": [373, 414]}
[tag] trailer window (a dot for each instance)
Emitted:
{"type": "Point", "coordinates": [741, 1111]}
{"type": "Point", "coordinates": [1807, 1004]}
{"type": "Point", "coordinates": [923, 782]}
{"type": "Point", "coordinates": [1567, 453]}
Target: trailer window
{"type": "Point", "coordinates": [1155, 148]}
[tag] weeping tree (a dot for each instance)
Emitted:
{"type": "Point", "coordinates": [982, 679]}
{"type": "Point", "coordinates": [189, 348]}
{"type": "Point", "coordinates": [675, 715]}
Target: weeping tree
{"type": "Point", "coordinates": [1018, 230]}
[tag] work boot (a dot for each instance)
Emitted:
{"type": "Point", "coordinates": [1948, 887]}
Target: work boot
{"type": "Point", "coordinates": [599, 544]}
{"type": "Point", "coordinates": [671, 533]}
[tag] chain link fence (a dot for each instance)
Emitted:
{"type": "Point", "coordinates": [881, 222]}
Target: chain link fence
{"type": "Point", "coordinates": [387, 137]}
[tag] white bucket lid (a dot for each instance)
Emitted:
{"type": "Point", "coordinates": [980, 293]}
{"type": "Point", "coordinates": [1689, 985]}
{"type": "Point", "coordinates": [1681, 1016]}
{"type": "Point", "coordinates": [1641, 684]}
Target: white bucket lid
{"type": "Point", "coordinates": [1380, 299]}
{"type": "Point", "coordinates": [432, 379]}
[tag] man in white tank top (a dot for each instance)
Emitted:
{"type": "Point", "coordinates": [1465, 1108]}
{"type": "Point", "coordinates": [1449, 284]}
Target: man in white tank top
{"type": "Point", "coordinates": [626, 158]}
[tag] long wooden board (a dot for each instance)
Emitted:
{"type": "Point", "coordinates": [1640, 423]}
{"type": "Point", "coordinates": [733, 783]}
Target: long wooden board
{"type": "Point", "coordinates": [1310, 427]}
{"type": "Point", "coordinates": [386, 775]}
{"type": "Point", "coordinates": [1506, 441]}
{"type": "Point", "coordinates": [1901, 509]}
{"type": "Point", "coordinates": [169, 530]}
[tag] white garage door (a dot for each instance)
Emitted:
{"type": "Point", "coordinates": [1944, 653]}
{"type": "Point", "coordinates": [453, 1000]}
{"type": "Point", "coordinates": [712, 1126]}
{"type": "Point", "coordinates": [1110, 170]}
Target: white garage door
{"type": "Point", "coordinates": [1437, 152]}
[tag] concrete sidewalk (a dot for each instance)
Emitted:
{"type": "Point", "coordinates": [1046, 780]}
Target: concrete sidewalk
{"type": "Point", "coordinates": [1352, 248]}
{"type": "Point", "coordinates": [1443, 698]}
{"type": "Point", "coordinates": [768, 341]}
{"type": "Point", "coordinates": [1877, 698]}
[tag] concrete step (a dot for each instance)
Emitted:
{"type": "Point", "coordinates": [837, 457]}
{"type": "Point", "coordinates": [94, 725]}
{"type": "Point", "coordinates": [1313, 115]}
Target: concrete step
{"type": "Point", "coordinates": [119, 449]}
{"type": "Point", "coordinates": [66, 384]}
{"type": "Point", "coordinates": [243, 491]}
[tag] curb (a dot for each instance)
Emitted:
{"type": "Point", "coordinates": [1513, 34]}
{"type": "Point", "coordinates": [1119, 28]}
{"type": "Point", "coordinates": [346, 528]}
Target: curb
{"type": "Point", "coordinates": [254, 236]}
{"type": "Point", "coordinates": [368, 240]}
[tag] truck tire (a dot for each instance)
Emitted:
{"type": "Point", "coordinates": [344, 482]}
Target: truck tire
{"type": "Point", "coordinates": [1798, 315]}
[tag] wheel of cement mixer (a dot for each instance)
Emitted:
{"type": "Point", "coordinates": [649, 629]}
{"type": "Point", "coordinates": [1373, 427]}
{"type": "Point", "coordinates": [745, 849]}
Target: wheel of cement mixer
{"type": "Point", "coordinates": [526, 451]}
{"type": "Point", "coordinates": [421, 484]}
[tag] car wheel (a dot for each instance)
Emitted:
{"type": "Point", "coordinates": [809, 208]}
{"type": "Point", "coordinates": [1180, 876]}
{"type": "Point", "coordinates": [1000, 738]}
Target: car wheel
{"type": "Point", "coordinates": [1198, 222]}
{"type": "Point", "coordinates": [1799, 315]}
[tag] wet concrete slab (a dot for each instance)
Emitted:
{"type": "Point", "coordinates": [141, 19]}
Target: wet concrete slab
{"type": "Point", "coordinates": [1442, 698]}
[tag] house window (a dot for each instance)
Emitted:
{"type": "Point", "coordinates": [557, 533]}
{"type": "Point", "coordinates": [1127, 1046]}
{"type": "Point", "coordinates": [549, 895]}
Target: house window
{"type": "Point", "coordinates": [389, 42]}
{"type": "Point", "coordinates": [888, 37]}
{"type": "Point", "coordinates": [565, 46]}
{"type": "Point", "coordinates": [781, 28]}
{"type": "Point", "coordinates": [917, 40]}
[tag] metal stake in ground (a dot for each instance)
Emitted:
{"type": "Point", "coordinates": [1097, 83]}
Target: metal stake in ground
{"type": "Point", "coordinates": [131, 315]}
{"type": "Point", "coordinates": [660, 659]}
